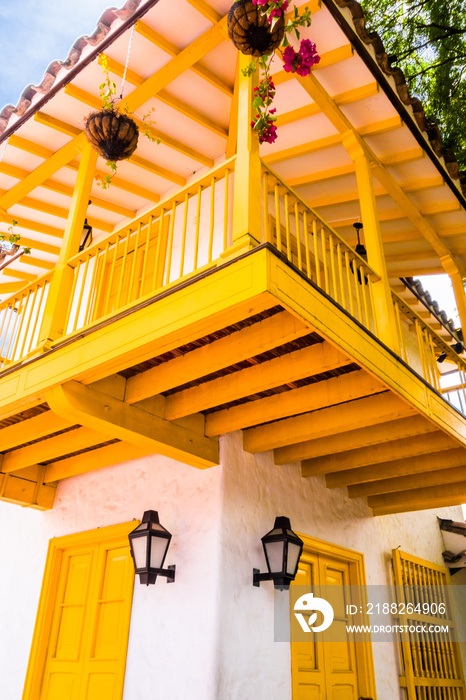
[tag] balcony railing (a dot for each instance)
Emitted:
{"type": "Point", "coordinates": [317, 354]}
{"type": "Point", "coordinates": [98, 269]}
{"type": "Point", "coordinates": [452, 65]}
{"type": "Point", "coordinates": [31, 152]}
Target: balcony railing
{"type": "Point", "coordinates": [428, 353]}
{"type": "Point", "coordinates": [308, 242]}
{"type": "Point", "coordinates": [187, 234]}
{"type": "Point", "coordinates": [181, 236]}
{"type": "Point", "coordinates": [20, 319]}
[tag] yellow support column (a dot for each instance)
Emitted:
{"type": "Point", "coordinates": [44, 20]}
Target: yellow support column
{"type": "Point", "coordinates": [58, 297]}
{"type": "Point", "coordinates": [247, 197]}
{"type": "Point", "coordinates": [383, 305]}
{"type": "Point", "coordinates": [458, 287]}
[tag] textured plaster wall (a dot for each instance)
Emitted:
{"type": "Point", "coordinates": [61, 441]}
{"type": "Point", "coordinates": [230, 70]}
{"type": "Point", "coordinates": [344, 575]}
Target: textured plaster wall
{"type": "Point", "coordinates": [255, 491]}
{"type": "Point", "coordinates": [209, 636]}
{"type": "Point", "coordinates": [171, 649]}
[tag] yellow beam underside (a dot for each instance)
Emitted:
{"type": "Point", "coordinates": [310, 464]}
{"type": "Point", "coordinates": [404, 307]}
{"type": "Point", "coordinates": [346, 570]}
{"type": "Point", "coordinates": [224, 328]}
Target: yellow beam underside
{"type": "Point", "coordinates": [418, 463]}
{"type": "Point", "coordinates": [96, 459]}
{"type": "Point", "coordinates": [50, 448]}
{"type": "Point", "coordinates": [241, 345]}
{"type": "Point", "coordinates": [327, 421]}
{"type": "Point", "coordinates": [385, 452]}
{"type": "Point", "coordinates": [31, 429]}
{"type": "Point", "coordinates": [27, 492]}
{"type": "Point", "coordinates": [307, 398]}
{"type": "Point", "coordinates": [354, 439]}
{"type": "Point", "coordinates": [252, 380]}
{"type": "Point", "coordinates": [86, 405]}
{"type": "Point", "coordinates": [409, 482]}
{"type": "Point", "coordinates": [167, 46]}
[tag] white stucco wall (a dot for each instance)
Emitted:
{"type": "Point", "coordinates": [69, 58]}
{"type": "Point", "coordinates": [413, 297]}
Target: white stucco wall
{"type": "Point", "coordinates": [210, 635]}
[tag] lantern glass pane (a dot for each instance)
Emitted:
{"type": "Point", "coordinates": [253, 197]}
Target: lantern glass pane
{"type": "Point", "coordinates": [139, 551]}
{"type": "Point", "coordinates": [294, 551]}
{"type": "Point", "coordinates": [158, 549]}
{"type": "Point", "coordinates": [275, 556]}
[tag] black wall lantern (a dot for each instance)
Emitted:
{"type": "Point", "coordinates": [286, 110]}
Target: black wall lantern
{"type": "Point", "coordinates": [149, 543]}
{"type": "Point", "coordinates": [282, 549]}
{"type": "Point", "coordinates": [360, 248]}
{"type": "Point", "coordinates": [86, 238]}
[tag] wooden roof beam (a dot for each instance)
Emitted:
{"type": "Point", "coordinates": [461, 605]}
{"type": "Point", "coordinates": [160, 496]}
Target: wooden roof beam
{"type": "Point", "coordinates": [411, 481]}
{"type": "Point", "coordinates": [425, 497]}
{"type": "Point", "coordinates": [332, 140]}
{"type": "Point", "coordinates": [307, 398]}
{"type": "Point", "coordinates": [241, 345]}
{"type": "Point", "coordinates": [31, 429]}
{"type": "Point", "coordinates": [167, 46]}
{"type": "Point", "coordinates": [354, 439]}
{"type": "Point", "coordinates": [55, 186]}
{"type": "Point", "coordinates": [441, 453]}
{"type": "Point", "coordinates": [331, 109]}
{"type": "Point", "coordinates": [287, 368]}
{"type": "Point", "coordinates": [343, 98]}
{"type": "Point", "coordinates": [52, 447]}
{"type": "Point", "coordinates": [42, 152]}
{"type": "Point", "coordinates": [94, 459]}
{"type": "Point", "coordinates": [385, 452]}
{"type": "Point", "coordinates": [400, 158]}
{"type": "Point", "coordinates": [88, 406]}
{"type": "Point", "coordinates": [352, 415]}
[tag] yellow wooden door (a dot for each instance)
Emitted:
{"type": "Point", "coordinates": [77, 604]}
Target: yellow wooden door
{"type": "Point", "coordinates": [84, 636]}
{"type": "Point", "coordinates": [322, 669]}
{"type": "Point", "coordinates": [339, 657]}
{"type": "Point", "coordinates": [307, 658]}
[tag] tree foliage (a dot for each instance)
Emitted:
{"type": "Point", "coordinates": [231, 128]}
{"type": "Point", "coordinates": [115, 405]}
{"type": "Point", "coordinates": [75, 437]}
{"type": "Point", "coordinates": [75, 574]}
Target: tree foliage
{"type": "Point", "coordinates": [427, 40]}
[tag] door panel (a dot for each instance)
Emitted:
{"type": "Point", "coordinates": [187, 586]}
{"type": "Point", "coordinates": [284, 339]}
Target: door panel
{"type": "Point", "coordinates": [322, 668]}
{"type": "Point", "coordinates": [81, 636]}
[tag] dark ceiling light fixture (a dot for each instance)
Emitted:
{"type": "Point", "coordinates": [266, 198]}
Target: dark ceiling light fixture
{"type": "Point", "coordinates": [442, 357]}
{"type": "Point", "coordinates": [149, 544]}
{"type": "Point", "coordinates": [86, 237]}
{"type": "Point", "coordinates": [458, 347]}
{"type": "Point", "coordinates": [282, 549]}
{"type": "Point", "coordinates": [360, 248]}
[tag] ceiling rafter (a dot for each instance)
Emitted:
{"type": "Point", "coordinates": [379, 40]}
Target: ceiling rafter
{"type": "Point", "coordinates": [332, 140]}
{"type": "Point", "coordinates": [399, 158]}
{"type": "Point", "coordinates": [339, 120]}
{"type": "Point", "coordinates": [343, 98]}
{"type": "Point", "coordinates": [158, 40]}
{"type": "Point", "coordinates": [67, 190]}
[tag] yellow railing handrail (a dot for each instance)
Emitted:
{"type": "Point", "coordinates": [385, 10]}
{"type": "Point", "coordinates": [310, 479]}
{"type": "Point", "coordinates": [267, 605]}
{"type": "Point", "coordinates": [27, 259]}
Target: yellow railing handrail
{"type": "Point", "coordinates": [351, 251]}
{"type": "Point", "coordinates": [189, 190]}
{"type": "Point", "coordinates": [22, 290]}
{"type": "Point", "coordinates": [440, 343]}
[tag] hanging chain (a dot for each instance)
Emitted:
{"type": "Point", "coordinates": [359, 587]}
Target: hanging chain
{"type": "Point", "coordinates": [127, 61]}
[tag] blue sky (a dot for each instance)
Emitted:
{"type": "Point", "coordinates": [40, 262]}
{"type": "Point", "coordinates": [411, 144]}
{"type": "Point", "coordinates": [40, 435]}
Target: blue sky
{"type": "Point", "coordinates": [33, 33]}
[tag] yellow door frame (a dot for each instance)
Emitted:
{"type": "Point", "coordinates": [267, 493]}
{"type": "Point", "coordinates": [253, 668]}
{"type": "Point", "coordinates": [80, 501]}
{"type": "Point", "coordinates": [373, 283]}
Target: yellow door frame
{"type": "Point", "coordinates": [357, 574]}
{"type": "Point", "coordinates": [113, 534]}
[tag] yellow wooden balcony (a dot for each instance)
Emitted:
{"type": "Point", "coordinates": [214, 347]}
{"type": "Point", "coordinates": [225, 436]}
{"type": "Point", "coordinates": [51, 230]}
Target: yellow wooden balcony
{"type": "Point", "coordinates": [173, 335]}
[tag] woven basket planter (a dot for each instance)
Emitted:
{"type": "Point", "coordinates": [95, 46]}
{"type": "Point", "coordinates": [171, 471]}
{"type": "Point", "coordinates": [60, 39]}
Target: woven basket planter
{"type": "Point", "coordinates": [250, 30]}
{"type": "Point", "coordinates": [113, 135]}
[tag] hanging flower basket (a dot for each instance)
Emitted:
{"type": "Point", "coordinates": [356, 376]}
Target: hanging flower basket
{"type": "Point", "coordinates": [250, 29]}
{"type": "Point", "coordinates": [112, 134]}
